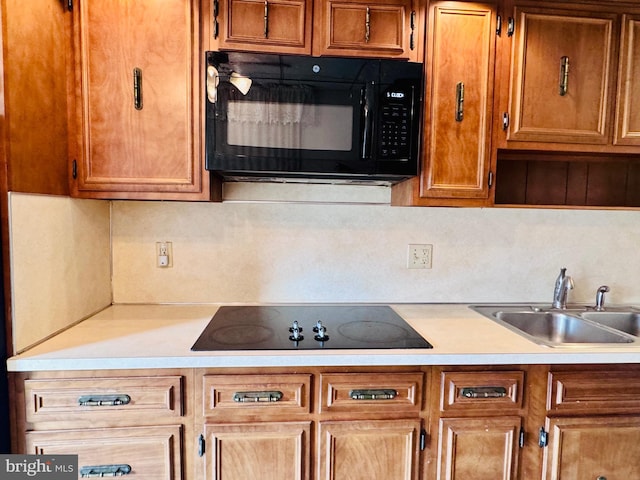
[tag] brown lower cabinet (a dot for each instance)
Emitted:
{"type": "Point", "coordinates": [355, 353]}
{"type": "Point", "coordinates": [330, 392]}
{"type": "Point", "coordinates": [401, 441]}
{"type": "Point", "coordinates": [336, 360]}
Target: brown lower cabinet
{"type": "Point", "coordinates": [324, 425]}
{"type": "Point", "coordinates": [480, 423]}
{"type": "Point", "coordinates": [401, 423]}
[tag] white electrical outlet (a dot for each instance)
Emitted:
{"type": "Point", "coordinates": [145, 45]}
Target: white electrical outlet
{"type": "Point", "coordinates": [164, 254]}
{"type": "Point", "coordinates": [419, 255]}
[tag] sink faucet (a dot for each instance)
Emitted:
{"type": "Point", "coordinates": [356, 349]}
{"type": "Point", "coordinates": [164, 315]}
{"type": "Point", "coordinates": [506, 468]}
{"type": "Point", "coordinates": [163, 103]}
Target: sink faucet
{"type": "Point", "coordinates": [600, 298]}
{"type": "Point", "coordinates": [564, 283]}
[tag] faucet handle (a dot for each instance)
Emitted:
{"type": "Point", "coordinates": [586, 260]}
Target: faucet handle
{"type": "Point", "coordinates": [600, 297]}
{"type": "Point", "coordinates": [570, 285]}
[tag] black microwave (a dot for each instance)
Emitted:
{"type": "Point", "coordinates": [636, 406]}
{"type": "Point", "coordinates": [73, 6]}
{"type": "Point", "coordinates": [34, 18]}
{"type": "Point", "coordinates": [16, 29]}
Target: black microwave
{"type": "Point", "coordinates": [312, 118]}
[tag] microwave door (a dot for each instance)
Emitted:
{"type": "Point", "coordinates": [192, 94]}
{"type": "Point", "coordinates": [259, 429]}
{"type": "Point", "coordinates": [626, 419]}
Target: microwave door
{"type": "Point", "coordinates": [275, 129]}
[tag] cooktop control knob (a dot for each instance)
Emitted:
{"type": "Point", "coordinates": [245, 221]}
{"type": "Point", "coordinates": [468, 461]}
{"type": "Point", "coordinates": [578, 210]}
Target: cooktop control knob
{"type": "Point", "coordinates": [296, 332]}
{"type": "Point", "coordinates": [321, 332]}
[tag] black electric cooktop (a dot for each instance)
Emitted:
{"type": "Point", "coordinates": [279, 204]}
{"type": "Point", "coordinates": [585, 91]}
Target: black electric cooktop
{"type": "Point", "coordinates": [307, 327]}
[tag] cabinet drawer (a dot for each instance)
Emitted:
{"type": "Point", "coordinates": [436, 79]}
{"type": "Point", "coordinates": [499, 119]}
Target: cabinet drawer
{"type": "Point", "coordinates": [100, 398]}
{"type": "Point", "coordinates": [371, 392]}
{"type": "Point", "coordinates": [468, 391]}
{"type": "Point", "coordinates": [609, 391]}
{"type": "Point", "coordinates": [256, 394]}
{"type": "Point", "coordinates": [145, 452]}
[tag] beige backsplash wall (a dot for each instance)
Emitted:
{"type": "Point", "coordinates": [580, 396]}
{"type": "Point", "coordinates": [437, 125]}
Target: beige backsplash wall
{"type": "Point", "coordinates": [72, 257]}
{"type": "Point", "coordinates": [60, 263]}
{"type": "Point", "coordinates": [283, 252]}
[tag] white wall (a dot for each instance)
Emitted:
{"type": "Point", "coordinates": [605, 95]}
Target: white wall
{"type": "Point", "coordinates": [283, 252]}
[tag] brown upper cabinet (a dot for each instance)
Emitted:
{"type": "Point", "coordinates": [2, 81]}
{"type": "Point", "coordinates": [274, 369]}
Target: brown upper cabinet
{"type": "Point", "coordinates": [567, 124]}
{"type": "Point", "coordinates": [33, 96]}
{"type": "Point", "coordinates": [362, 28]}
{"type": "Point", "coordinates": [562, 72]}
{"type": "Point", "coordinates": [628, 98]}
{"type": "Point", "coordinates": [138, 100]}
{"type": "Point", "coordinates": [571, 88]}
{"type": "Point", "coordinates": [458, 99]}
{"type": "Point", "coordinates": [277, 26]}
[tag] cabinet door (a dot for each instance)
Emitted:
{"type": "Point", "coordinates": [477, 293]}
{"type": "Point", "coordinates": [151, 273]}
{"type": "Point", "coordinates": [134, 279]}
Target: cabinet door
{"type": "Point", "coordinates": [562, 70]}
{"type": "Point", "coordinates": [277, 26]}
{"type": "Point", "coordinates": [628, 107]}
{"type": "Point", "coordinates": [143, 452]}
{"type": "Point", "coordinates": [138, 100]}
{"type": "Point", "coordinates": [593, 448]}
{"type": "Point", "coordinates": [375, 28]}
{"type": "Point", "coordinates": [478, 448]}
{"type": "Point", "coordinates": [33, 96]}
{"type": "Point", "coordinates": [257, 450]}
{"type": "Point", "coordinates": [459, 100]}
{"type": "Point", "coordinates": [369, 450]}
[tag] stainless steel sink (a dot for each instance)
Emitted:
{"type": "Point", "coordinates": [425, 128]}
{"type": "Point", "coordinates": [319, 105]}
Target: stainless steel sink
{"type": "Point", "coordinates": [560, 328]}
{"type": "Point", "coordinates": [628, 322]}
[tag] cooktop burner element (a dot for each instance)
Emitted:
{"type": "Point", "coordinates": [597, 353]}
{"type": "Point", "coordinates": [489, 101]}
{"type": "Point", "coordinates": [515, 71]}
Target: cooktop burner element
{"type": "Point", "coordinates": [308, 327]}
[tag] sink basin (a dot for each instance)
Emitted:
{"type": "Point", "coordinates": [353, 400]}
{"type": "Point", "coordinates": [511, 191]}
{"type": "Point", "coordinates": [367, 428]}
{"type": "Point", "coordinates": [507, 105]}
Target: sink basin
{"type": "Point", "coordinates": [628, 322]}
{"type": "Point", "coordinates": [559, 328]}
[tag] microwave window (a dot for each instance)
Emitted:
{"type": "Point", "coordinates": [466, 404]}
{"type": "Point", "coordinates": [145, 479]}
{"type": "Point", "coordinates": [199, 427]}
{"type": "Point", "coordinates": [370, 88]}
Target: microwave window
{"type": "Point", "coordinates": [298, 126]}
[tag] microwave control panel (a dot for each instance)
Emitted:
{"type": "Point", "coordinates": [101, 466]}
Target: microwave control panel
{"type": "Point", "coordinates": [394, 134]}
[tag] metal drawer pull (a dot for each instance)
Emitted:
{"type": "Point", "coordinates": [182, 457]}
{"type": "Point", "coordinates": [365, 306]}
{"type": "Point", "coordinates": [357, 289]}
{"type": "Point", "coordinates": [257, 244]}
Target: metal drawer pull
{"type": "Point", "coordinates": [103, 400]}
{"type": "Point", "coordinates": [255, 397]}
{"type": "Point", "coordinates": [564, 76]}
{"type": "Point", "coordinates": [459, 101]}
{"type": "Point", "coordinates": [105, 471]}
{"type": "Point", "coordinates": [137, 88]}
{"type": "Point", "coordinates": [484, 392]}
{"type": "Point", "coordinates": [382, 394]}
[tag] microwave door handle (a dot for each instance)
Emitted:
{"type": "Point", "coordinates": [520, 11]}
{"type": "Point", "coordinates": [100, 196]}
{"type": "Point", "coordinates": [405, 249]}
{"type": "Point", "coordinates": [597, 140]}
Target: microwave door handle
{"type": "Point", "coordinates": [368, 104]}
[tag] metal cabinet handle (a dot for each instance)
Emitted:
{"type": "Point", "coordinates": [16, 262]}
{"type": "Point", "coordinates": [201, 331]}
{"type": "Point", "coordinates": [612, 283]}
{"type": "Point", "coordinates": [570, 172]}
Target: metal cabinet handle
{"type": "Point", "coordinates": [367, 26]}
{"type": "Point", "coordinates": [564, 76]}
{"type": "Point", "coordinates": [104, 400]}
{"type": "Point", "coordinates": [137, 88]}
{"type": "Point", "coordinates": [216, 25]}
{"type": "Point", "coordinates": [105, 471]}
{"type": "Point", "coordinates": [412, 42]}
{"type": "Point", "coordinates": [379, 394]}
{"type": "Point", "coordinates": [255, 397]}
{"type": "Point", "coordinates": [266, 19]}
{"type": "Point", "coordinates": [459, 101]}
{"type": "Point", "coordinates": [484, 392]}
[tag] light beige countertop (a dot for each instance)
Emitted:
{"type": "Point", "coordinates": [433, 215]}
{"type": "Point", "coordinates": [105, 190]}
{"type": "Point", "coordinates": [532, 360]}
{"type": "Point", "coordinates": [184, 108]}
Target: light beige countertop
{"type": "Point", "coordinates": [161, 336]}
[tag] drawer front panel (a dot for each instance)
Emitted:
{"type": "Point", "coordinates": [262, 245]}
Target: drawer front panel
{"type": "Point", "coordinates": [117, 397]}
{"type": "Point", "coordinates": [371, 393]}
{"type": "Point", "coordinates": [611, 392]}
{"type": "Point", "coordinates": [147, 452]}
{"type": "Point", "coordinates": [256, 394]}
{"type": "Point", "coordinates": [468, 391]}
